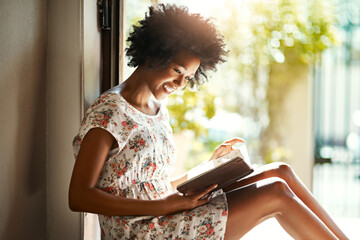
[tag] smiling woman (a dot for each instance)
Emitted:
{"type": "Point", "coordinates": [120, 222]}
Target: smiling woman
{"type": "Point", "coordinates": [176, 74]}
{"type": "Point", "coordinates": [125, 152]}
{"type": "Point", "coordinates": [149, 85]}
{"type": "Point", "coordinates": [161, 34]}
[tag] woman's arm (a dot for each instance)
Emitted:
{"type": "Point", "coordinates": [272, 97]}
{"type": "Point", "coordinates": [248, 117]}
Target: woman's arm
{"type": "Point", "coordinates": [85, 197]}
{"type": "Point", "coordinates": [175, 182]}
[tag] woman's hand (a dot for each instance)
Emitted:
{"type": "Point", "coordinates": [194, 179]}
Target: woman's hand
{"type": "Point", "coordinates": [225, 147]}
{"type": "Point", "coordinates": [176, 202]}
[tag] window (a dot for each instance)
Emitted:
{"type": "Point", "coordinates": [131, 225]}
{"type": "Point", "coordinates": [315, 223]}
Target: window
{"type": "Point", "coordinates": [337, 119]}
{"type": "Point", "coordinates": [110, 21]}
{"type": "Point", "coordinates": [261, 39]}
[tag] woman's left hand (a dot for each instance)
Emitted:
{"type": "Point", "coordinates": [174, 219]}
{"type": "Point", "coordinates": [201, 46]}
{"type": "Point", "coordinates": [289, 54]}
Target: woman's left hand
{"type": "Point", "coordinates": [225, 147]}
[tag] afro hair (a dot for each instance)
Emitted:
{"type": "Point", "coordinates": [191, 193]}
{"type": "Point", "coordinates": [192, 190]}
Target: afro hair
{"type": "Point", "coordinates": [165, 30]}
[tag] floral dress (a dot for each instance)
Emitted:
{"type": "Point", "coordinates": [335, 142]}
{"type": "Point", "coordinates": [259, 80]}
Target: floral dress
{"type": "Point", "coordinates": [140, 168]}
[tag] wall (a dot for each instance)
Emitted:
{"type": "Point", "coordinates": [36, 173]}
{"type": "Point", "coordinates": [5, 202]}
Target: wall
{"type": "Point", "coordinates": [298, 120]}
{"type": "Point", "coordinates": [294, 116]}
{"type": "Point", "coordinates": [91, 88]}
{"type": "Point", "coordinates": [41, 65]}
{"type": "Point", "coordinates": [23, 28]}
{"type": "Point", "coordinates": [92, 56]}
{"type": "Point", "coordinates": [64, 99]}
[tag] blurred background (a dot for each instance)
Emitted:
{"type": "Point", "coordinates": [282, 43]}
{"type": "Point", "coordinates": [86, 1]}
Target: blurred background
{"type": "Point", "coordinates": [290, 88]}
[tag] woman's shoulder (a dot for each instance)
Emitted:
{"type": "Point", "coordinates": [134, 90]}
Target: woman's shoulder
{"type": "Point", "coordinates": [115, 104]}
{"type": "Point", "coordinates": [108, 99]}
{"type": "Point", "coordinates": [105, 101]}
{"type": "Point", "coordinates": [117, 89]}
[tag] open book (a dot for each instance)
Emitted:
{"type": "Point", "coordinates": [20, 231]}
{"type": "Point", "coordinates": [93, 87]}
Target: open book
{"type": "Point", "coordinates": [222, 171]}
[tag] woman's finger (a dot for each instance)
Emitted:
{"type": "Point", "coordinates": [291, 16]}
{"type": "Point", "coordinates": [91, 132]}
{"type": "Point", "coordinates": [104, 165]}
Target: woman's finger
{"type": "Point", "coordinates": [201, 194]}
{"type": "Point", "coordinates": [221, 150]}
{"type": "Point", "coordinates": [224, 150]}
{"type": "Point", "coordinates": [226, 147]}
{"type": "Point", "coordinates": [234, 141]}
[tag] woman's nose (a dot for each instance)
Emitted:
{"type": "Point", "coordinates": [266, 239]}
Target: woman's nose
{"type": "Point", "coordinates": [180, 81]}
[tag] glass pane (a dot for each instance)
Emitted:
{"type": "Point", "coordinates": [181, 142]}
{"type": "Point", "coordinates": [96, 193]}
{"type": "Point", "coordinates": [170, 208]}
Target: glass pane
{"type": "Point", "coordinates": [337, 119]}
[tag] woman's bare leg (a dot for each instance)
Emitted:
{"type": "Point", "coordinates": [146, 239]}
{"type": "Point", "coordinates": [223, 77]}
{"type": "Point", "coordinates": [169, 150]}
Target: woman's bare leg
{"type": "Point", "coordinates": [284, 172]}
{"type": "Point", "coordinates": [252, 204]}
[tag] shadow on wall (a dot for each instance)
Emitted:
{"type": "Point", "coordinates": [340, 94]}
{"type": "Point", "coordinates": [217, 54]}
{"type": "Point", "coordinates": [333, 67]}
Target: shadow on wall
{"type": "Point", "coordinates": [26, 183]}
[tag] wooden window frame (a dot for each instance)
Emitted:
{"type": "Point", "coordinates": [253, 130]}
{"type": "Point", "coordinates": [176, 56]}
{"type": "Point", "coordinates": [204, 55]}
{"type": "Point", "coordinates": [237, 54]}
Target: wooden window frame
{"type": "Point", "coordinates": [111, 21]}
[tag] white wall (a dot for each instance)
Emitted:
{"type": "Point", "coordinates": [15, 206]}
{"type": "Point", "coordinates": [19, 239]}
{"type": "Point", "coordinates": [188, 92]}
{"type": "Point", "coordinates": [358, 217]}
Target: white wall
{"type": "Point", "coordinates": [298, 118]}
{"type": "Point", "coordinates": [91, 87]}
{"type": "Point", "coordinates": [294, 115]}
{"type": "Point", "coordinates": [92, 56]}
{"type": "Point", "coordinates": [42, 68]}
{"type": "Point", "coordinates": [64, 74]}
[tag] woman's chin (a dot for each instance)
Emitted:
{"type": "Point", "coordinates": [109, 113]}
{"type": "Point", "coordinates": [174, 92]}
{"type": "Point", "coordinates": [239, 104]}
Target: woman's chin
{"type": "Point", "coordinates": [162, 96]}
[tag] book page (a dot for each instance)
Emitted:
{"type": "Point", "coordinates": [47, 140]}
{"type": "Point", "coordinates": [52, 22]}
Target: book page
{"type": "Point", "coordinates": [222, 171]}
{"type": "Point", "coordinates": [240, 151]}
{"type": "Point", "coordinates": [234, 153]}
{"type": "Point", "coordinates": [245, 153]}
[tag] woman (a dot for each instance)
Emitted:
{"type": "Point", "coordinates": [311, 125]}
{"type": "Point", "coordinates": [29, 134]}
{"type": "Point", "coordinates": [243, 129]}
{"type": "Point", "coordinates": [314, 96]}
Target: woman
{"type": "Point", "coordinates": [124, 151]}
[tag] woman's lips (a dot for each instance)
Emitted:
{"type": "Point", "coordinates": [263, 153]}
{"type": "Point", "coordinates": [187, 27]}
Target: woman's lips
{"type": "Point", "coordinates": [168, 89]}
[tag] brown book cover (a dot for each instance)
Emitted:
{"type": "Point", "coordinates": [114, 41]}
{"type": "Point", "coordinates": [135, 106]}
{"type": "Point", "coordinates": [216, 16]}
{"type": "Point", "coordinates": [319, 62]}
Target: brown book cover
{"type": "Point", "coordinates": [224, 173]}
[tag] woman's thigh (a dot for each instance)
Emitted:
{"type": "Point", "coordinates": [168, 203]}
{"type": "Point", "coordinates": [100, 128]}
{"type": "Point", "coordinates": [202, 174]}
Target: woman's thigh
{"type": "Point", "coordinates": [250, 205]}
{"type": "Point", "coordinates": [280, 170]}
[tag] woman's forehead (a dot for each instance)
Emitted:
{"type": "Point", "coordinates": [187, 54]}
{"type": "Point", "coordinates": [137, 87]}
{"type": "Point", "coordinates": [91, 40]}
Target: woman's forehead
{"type": "Point", "coordinates": [187, 60]}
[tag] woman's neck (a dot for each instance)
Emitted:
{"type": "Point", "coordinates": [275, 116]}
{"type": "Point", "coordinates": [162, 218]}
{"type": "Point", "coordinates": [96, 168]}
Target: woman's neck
{"type": "Point", "coordinates": [136, 91]}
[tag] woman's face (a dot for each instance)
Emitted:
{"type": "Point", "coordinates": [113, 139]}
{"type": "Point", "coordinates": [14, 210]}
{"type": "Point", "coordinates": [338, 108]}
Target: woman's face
{"type": "Point", "coordinates": [166, 80]}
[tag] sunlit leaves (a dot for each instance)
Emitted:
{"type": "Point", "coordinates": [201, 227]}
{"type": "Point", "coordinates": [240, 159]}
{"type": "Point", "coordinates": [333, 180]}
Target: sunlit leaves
{"type": "Point", "coordinates": [189, 108]}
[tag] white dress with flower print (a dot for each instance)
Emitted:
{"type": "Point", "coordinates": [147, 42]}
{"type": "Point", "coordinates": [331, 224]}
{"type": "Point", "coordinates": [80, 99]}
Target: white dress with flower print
{"type": "Point", "coordinates": [140, 169]}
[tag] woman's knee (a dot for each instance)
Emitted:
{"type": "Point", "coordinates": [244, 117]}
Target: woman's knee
{"type": "Point", "coordinates": [274, 193]}
{"type": "Point", "coordinates": [268, 191]}
{"type": "Point", "coordinates": [281, 170]}
{"type": "Point", "coordinates": [276, 188]}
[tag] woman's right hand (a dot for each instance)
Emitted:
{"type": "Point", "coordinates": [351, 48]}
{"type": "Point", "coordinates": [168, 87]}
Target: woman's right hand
{"type": "Point", "coordinates": [177, 202]}
{"type": "Point", "coordinates": [225, 148]}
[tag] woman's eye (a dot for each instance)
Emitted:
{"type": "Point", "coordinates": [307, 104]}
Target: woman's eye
{"type": "Point", "coordinates": [177, 71]}
{"type": "Point", "coordinates": [189, 78]}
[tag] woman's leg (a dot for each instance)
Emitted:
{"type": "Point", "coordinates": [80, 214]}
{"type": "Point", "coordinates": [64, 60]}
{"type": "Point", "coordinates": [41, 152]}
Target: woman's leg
{"type": "Point", "coordinates": [284, 172]}
{"type": "Point", "coordinates": [252, 204]}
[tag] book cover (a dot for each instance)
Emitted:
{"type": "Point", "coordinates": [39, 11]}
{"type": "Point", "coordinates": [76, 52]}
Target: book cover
{"type": "Point", "coordinates": [222, 171]}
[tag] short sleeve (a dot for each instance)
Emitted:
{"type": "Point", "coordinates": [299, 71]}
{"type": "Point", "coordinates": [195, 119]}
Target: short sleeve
{"type": "Point", "coordinates": [105, 113]}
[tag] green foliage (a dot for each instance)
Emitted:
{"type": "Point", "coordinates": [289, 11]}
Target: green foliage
{"type": "Point", "coordinates": [265, 37]}
{"type": "Point", "coordinates": [188, 108]}
{"type": "Point", "coordinates": [261, 36]}
{"type": "Point", "coordinates": [201, 150]}
{"type": "Point", "coordinates": [306, 28]}
{"type": "Point", "coordinates": [278, 154]}
{"type": "Point", "coordinates": [297, 33]}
